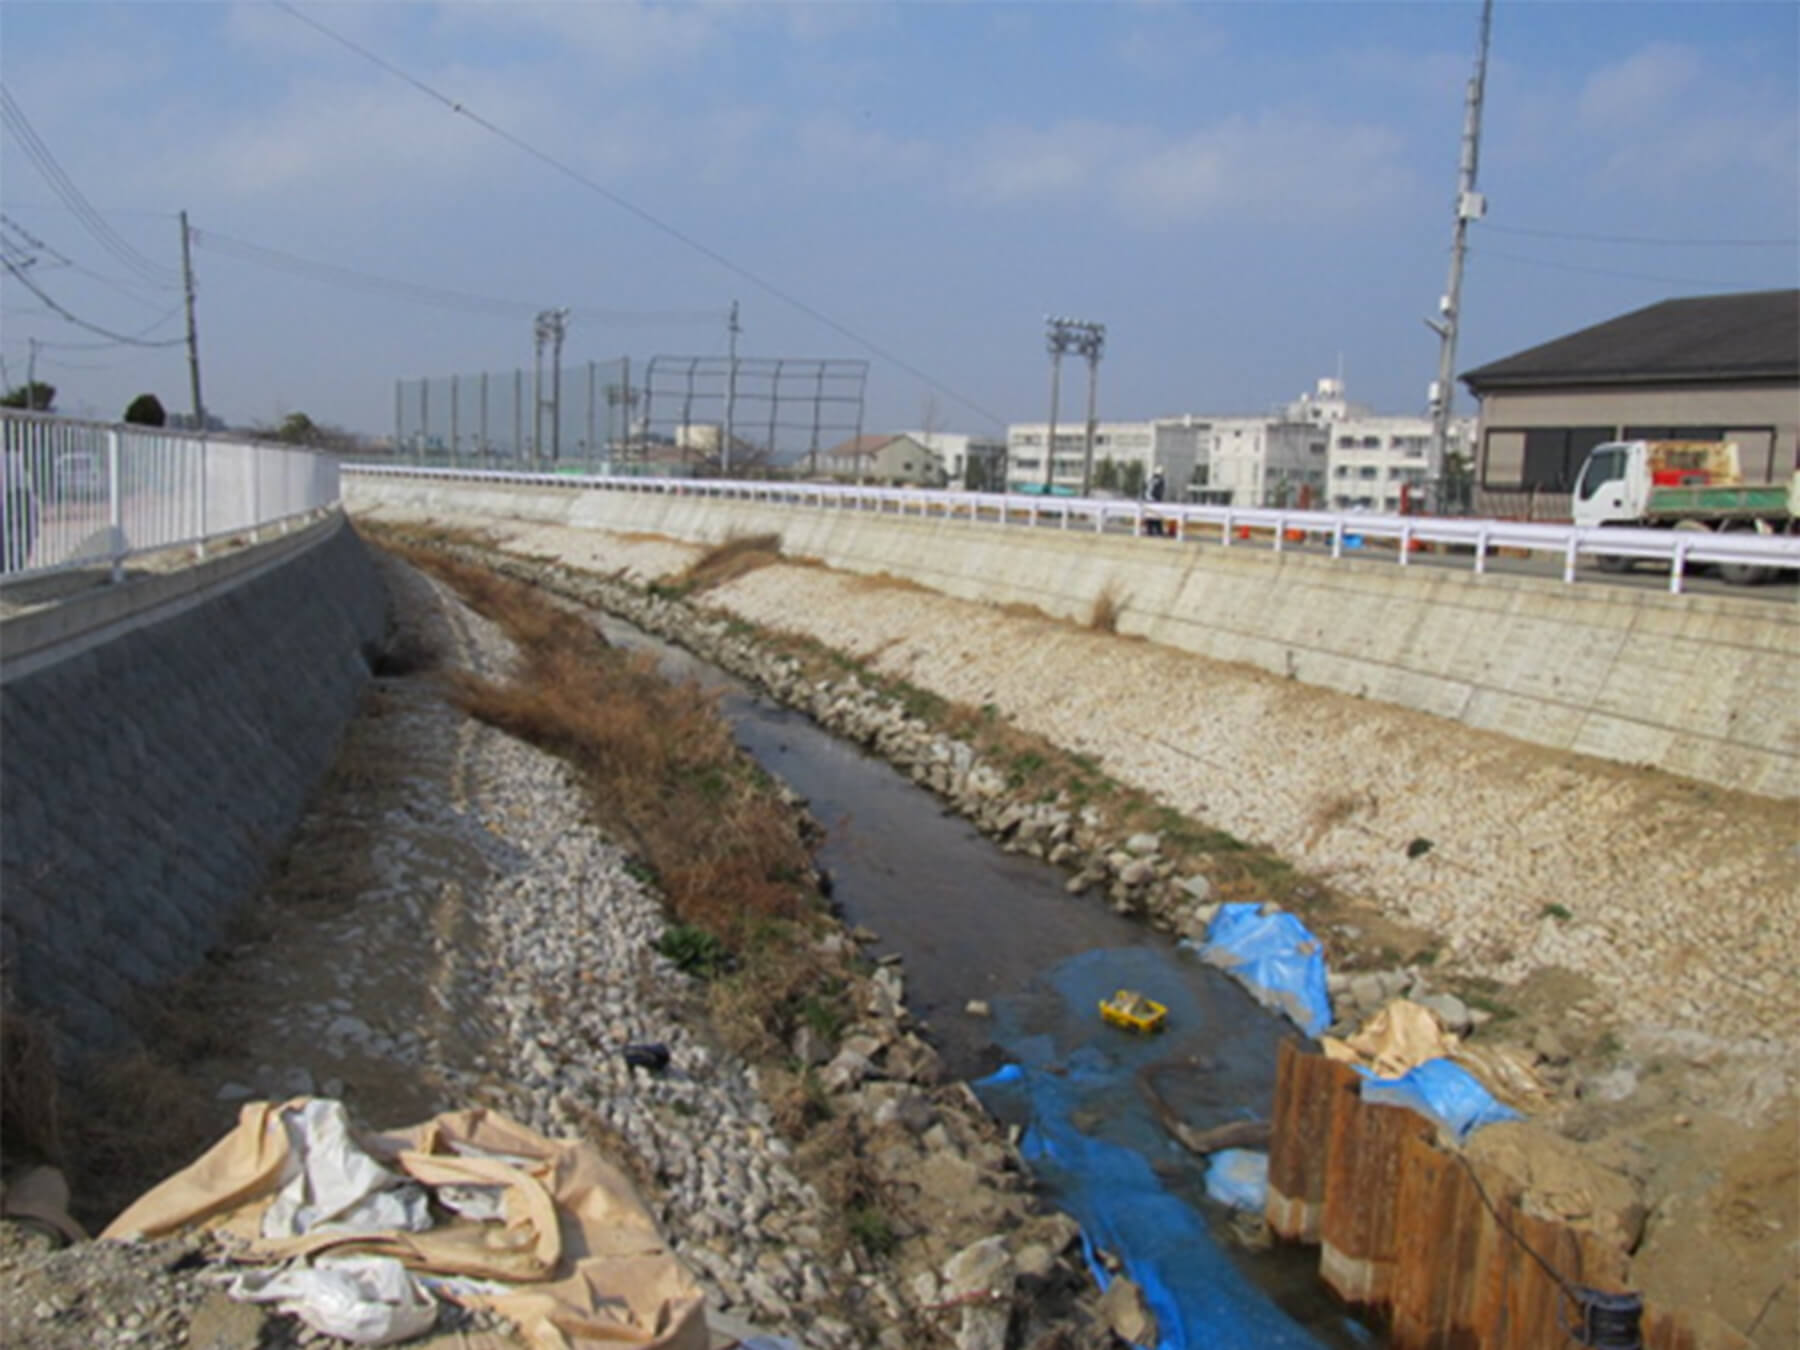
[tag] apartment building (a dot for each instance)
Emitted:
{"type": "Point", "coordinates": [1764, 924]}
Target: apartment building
{"type": "Point", "coordinates": [1175, 444]}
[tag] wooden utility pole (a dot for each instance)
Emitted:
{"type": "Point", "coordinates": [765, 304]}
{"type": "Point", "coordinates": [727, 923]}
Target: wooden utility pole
{"type": "Point", "coordinates": [193, 336]}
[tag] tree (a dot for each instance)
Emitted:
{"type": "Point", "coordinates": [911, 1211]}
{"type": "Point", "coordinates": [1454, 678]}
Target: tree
{"type": "Point", "coordinates": [146, 410]}
{"type": "Point", "coordinates": [1106, 475]}
{"type": "Point", "coordinates": [36, 396]}
{"type": "Point", "coordinates": [1131, 480]}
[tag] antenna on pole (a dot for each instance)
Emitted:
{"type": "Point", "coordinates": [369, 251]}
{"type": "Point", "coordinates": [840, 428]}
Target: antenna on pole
{"type": "Point", "coordinates": [1470, 206]}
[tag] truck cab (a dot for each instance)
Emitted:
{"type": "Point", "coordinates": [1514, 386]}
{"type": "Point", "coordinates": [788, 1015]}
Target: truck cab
{"type": "Point", "coordinates": [1613, 486]}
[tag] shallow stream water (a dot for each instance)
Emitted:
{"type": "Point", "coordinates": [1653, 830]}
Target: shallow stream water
{"type": "Point", "coordinates": [972, 921]}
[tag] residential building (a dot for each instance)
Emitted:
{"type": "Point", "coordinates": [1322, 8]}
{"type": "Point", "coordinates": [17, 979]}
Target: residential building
{"type": "Point", "coordinates": [1175, 444]}
{"type": "Point", "coordinates": [883, 459]}
{"type": "Point", "coordinates": [1386, 464]}
{"type": "Point", "coordinates": [967, 460]}
{"type": "Point", "coordinates": [1265, 461]}
{"type": "Point", "coordinates": [1709, 367]}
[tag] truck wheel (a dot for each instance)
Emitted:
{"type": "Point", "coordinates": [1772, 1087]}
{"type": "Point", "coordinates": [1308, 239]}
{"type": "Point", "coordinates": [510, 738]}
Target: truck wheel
{"type": "Point", "coordinates": [1744, 574]}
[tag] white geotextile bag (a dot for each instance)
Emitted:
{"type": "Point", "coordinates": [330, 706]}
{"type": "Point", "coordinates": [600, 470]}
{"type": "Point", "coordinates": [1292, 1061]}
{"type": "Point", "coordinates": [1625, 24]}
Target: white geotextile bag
{"type": "Point", "coordinates": [331, 1185]}
{"type": "Point", "coordinates": [370, 1300]}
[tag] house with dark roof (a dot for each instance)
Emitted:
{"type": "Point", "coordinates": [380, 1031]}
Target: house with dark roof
{"type": "Point", "coordinates": [1708, 367]}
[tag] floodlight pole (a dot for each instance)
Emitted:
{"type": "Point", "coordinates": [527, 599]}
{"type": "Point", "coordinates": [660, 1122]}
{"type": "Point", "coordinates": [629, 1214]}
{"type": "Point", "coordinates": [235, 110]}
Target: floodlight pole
{"type": "Point", "coordinates": [1090, 344]}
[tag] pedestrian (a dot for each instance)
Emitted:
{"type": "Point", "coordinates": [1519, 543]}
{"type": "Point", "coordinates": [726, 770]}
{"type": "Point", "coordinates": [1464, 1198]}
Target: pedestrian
{"type": "Point", "coordinates": [1153, 491]}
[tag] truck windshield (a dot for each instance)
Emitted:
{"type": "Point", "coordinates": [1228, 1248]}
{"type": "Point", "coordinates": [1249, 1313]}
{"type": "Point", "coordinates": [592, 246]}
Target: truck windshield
{"type": "Point", "coordinates": [1603, 466]}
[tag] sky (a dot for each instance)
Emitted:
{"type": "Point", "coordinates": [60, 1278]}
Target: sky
{"type": "Point", "coordinates": [1247, 195]}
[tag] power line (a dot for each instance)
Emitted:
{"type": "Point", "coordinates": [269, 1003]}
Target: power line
{"type": "Point", "coordinates": [64, 187]}
{"type": "Point", "coordinates": [118, 338]}
{"type": "Point", "coordinates": [653, 221]}
{"type": "Point", "coordinates": [441, 297]}
{"type": "Point", "coordinates": [111, 283]}
{"type": "Point", "coordinates": [1612, 272]}
{"type": "Point", "coordinates": [108, 346]}
{"type": "Point", "coordinates": [1653, 240]}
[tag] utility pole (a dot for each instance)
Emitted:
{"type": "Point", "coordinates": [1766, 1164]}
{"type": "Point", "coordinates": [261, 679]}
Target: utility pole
{"type": "Point", "coordinates": [539, 332]}
{"type": "Point", "coordinates": [1470, 206]}
{"type": "Point", "coordinates": [31, 394]}
{"type": "Point", "coordinates": [730, 395]}
{"type": "Point", "coordinates": [559, 319]}
{"type": "Point", "coordinates": [548, 327]}
{"type": "Point", "coordinates": [193, 337]}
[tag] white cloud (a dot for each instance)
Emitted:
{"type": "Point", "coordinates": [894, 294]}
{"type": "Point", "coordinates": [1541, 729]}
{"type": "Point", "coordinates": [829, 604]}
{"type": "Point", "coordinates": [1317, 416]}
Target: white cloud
{"type": "Point", "coordinates": [861, 156]}
{"type": "Point", "coordinates": [1664, 122]}
{"type": "Point", "coordinates": [620, 38]}
{"type": "Point", "coordinates": [1641, 88]}
{"type": "Point", "coordinates": [1260, 166]}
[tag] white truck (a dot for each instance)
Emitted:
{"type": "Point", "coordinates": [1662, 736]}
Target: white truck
{"type": "Point", "coordinates": [1695, 485]}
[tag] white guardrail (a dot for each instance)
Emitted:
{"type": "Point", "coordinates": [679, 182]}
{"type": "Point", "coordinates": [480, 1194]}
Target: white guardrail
{"type": "Point", "coordinates": [82, 494]}
{"type": "Point", "coordinates": [1348, 534]}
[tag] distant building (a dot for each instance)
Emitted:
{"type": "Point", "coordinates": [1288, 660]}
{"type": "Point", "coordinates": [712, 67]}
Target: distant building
{"type": "Point", "coordinates": [883, 459]}
{"type": "Point", "coordinates": [1175, 444]}
{"type": "Point", "coordinates": [1709, 367]}
{"type": "Point", "coordinates": [1265, 461]}
{"type": "Point", "coordinates": [967, 460]}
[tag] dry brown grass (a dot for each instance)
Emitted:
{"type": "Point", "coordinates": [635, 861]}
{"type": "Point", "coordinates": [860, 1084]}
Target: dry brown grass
{"type": "Point", "coordinates": [729, 561]}
{"type": "Point", "coordinates": [656, 758]}
{"type": "Point", "coordinates": [1108, 605]}
{"type": "Point", "coordinates": [886, 581]}
{"type": "Point", "coordinates": [30, 1129]}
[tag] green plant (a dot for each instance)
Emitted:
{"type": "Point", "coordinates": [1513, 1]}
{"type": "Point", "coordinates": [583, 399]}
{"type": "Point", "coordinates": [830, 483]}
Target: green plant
{"type": "Point", "coordinates": [1555, 911]}
{"type": "Point", "coordinates": [872, 1229]}
{"type": "Point", "coordinates": [694, 950]}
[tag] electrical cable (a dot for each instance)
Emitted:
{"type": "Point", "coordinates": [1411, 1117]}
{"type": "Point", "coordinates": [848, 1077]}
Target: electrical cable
{"type": "Point", "coordinates": [655, 222]}
{"type": "Point", "coordinates": [122, 287]}
{"type": "Point", "coordinates": [119, 338]}
{"type": "Point", "coordinates": [441, 297]}
{"type": "Point", "coordinates": [108, 346]}
{"type": "Point", "coordinates": [1608, 1321]}
{"type": "Point", "coordinates": [64, 187]}
{"type": "Point", "coordinates": [1612, 272]}
{"type": "Point", "coordinates": [1648, 240]}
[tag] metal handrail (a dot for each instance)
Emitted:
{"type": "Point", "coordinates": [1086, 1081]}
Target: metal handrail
{"type": "Point", "coordinates": [1345, 531]}
{"type": "Point", "coordinates": [76, 493]}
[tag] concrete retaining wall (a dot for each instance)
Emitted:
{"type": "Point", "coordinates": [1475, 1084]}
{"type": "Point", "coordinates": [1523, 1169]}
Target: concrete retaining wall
{"type": "Point", "coordinates": [160, 739]}
{"type": "Point", "coordinates": [1698, 685]}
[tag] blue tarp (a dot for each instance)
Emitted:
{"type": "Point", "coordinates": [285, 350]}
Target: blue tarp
{"type": "Point", "coordinates": [1239, 1177]}
{"type": "Point", "coordinates": [1276, 958]}
{"type": "Point", "coordinates": [1441, 1091]}
{"type": "Point", "coordinates": [1198, 1296]}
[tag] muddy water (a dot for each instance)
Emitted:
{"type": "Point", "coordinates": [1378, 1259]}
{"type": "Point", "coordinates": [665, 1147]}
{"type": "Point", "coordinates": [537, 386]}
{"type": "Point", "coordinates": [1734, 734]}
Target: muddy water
{"type": "Point", "coordinates": [974, 922]}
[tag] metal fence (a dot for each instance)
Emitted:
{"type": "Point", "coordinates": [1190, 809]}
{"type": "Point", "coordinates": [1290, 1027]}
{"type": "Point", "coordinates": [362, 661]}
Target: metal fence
{"type": "Point", "coordinates": [575, 416]}
{"type": "Point", "coordinates": [1342, 534]}
{"type": "Point", "coordinates": [729, 414]}
{"type": "Point", "coordinates": [81, 493]}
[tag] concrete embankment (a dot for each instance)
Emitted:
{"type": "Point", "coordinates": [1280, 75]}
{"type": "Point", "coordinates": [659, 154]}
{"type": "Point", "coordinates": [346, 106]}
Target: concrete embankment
{"type": "Point", "coordinates": [1695, 685]}
{"type": "Point", "coordinates": [161, 737]}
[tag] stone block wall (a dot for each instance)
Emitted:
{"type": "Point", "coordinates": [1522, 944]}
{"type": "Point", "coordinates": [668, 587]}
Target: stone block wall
{"type": "Point", "coordinates": [149, 772]}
